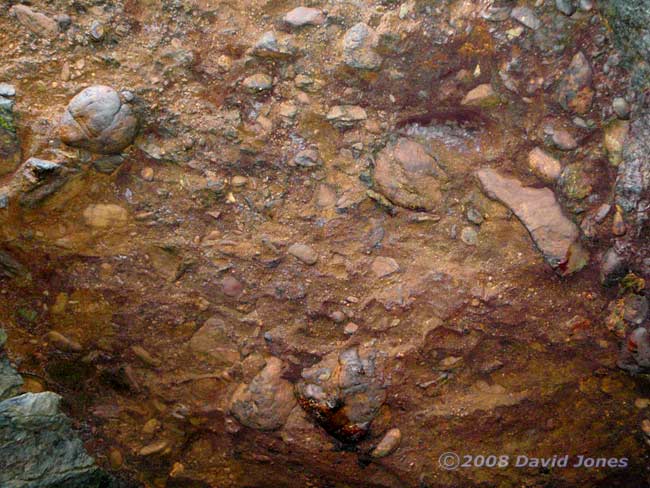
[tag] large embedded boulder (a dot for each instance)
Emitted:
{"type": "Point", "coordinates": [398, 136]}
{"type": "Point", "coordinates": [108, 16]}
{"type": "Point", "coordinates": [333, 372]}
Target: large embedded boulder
{"type": "Point", "coordinates": [97, 119]}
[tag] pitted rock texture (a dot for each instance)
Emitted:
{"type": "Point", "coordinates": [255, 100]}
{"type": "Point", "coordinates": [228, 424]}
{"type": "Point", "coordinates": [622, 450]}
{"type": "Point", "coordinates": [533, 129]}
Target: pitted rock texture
{"type": "Point", "coordinates": [38, 448]}
{"type": "Point", "coordinates": [344, 392]}
{"type": "Point", "coordinates": [97, 120]}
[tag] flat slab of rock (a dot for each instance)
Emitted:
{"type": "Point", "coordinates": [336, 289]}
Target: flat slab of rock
{"type": "Point", "coordinates": [553, 233]}
{"type": "Point", "coordinates": [408, 176]}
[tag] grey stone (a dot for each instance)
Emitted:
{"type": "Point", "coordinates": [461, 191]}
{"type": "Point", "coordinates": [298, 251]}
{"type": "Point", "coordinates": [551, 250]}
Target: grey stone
{"type": "Point", "coordinates": [272, 45]}
{"type": "Point", "coordinates": [469, 236]}
{"type": "Point", "coordinates": [613, 267]}
{"type": "Point", "coordinates": [633, 180]}
{"type": "Point", "coordinates": [7, 90]}
{"type": "Point", "coordinates": [348, 385]}
{"type": "Point", "coordinates": [555, 235]}
{"type": "Point", "coordinates": [10, 380]}
{"type": "Point", "coordinates": [496, 14]}
{"type": "Point", "coordinates": [565, 6]}
{"type": "Point", "coordinates": [10, 153]}
{"type": "Point", "coordinates": [359, 48]}
{"type": "Point", "coordinates": [635, 352]}
{"type": "Point", "coordinates": [37, 179]}
{"type": "Point", "coordinates": [526, 16]}
{"type": "Point", "coordinates": [97, 120]}
{"type": "Point", "coordinates": [258, 82]}
{"type": "Point", "coordinates": [621, 108]}
{"type": "Point", "coordinates": [39, 449]}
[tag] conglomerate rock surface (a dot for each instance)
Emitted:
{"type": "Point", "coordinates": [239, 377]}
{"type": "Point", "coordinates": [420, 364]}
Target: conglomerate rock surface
{"type": "Point", "coordinates": [325, 244]}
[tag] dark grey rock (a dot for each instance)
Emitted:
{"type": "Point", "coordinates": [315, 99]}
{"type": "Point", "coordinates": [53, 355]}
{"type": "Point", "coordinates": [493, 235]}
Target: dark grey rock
{"type": "Point", "coordinates": [97, 120]}
{"type": "Point", "coordinates": [10, 267]}
{"type": "Point", "coordinates": [613, 267]}
{"type": "Point", "coordinates": [10, 380]}
{"type": "Point", "coordinates": [9, 143]}
{"type": "Point", "coordinates": [630, 24]}
{"type": "Point", "coordinates": [635, 352]}
{"type": "Point", "coordinates": [39, 449]}
{"type": "Point", "coordinates": [38, 179]}
{"type": "Point", "coordinates": [633, 180]}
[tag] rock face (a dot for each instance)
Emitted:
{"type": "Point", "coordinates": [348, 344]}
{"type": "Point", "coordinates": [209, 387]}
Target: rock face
{"type": "Point", "coordinates": [38, 448]}
{"type": "Point", "coordinates": [408, 176]}
{"type": "Point", "coordinates": [343, 393]}
{"type": "Point", "coordinates": [553, 233]}
{"type": "Point", "coordinates": [266, 403]}
{"type": "Point", "coordinates": [633, 181]}
{"type": "Point", "coordinates": [97, 120]}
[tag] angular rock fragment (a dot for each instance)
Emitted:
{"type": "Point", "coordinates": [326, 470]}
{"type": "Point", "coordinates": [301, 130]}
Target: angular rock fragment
{"type": "Point", "coordinates": [40, 24]}
{"type": "Point", "coordinates": [36, 180]}
{"type": "Point", "coordinates": [272, 45]}
{"type": "Point", "coordinates": [555, 235]}
{"type": "Point", "coordinates": [265, 403]}
{"type": "Point", "coordinates": [98, 121]}
{"type": "Point", "coordinates": [526, 16]}
{"type": "Point", "coordinates": [408, 176]}
{"type": "Point", "coordinates": [575, 93]}
{"type": "Point", "coordinates": [359, 45]}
